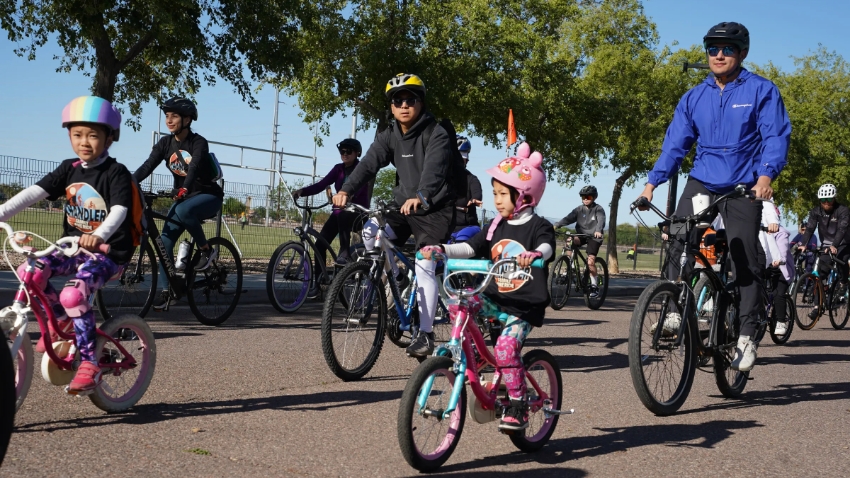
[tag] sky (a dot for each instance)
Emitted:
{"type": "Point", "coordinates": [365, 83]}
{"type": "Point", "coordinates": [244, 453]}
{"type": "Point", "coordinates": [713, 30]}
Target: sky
{"type": "Point", "coordinates": [32, 95]}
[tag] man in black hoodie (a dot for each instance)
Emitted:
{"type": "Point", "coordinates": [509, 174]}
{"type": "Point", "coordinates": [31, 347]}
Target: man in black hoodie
{"type": "Point", "coordinates": [422, 183]}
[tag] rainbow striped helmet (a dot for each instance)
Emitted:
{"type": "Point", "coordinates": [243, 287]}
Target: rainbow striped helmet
{"type": "Point", "coordinates": [92, 109]}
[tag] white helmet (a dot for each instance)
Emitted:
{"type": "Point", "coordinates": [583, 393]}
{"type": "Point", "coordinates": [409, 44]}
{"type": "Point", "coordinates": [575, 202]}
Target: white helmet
{"type": "Point", "coordinates": [827, 191]}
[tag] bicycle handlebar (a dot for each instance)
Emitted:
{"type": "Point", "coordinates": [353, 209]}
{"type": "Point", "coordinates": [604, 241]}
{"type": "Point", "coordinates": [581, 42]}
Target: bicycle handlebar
{"type": "Point", "coordinates": [381, 209]}
{"type": "Point", "coordinates": [309, 208]}
{"type": "Point", "coordinates": [739, 191]}
{"type": "Point", "coordinates": [15, 238]}
{"type": "Point", "coordinates": [460, 266]}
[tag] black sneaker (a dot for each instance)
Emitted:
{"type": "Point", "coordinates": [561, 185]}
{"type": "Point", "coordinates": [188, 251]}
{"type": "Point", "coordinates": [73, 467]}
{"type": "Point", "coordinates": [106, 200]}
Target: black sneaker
{"type": "Point", "coordinates": [594, 292]}
{"type": "Point", "coordinates": [164, 301]}
{"type": "Point", "coordinates": [402, 280]}
{"type": "Point", "coordinates": [515, 417]}
{"type": "Point", "coordinates": [813, 314]}
{"type": "Point", "coordinates": [422, 345]}
{"type": "Point", "coordinates": [205, 259]}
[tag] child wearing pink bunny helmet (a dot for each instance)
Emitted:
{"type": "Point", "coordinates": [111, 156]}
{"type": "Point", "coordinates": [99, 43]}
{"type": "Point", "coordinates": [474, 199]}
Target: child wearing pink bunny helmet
{"type": "Point", "coordinates": [520, 304]}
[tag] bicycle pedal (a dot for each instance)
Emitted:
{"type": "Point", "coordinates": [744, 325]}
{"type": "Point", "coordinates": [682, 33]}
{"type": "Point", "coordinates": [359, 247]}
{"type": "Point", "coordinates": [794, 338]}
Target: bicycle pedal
{"type": "Point", "coordinates": [552, 411]}
{"type": "Point", "coordinates": [84, 393]}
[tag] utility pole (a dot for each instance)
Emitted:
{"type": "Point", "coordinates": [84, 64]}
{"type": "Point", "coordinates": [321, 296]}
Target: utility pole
{"type": "Point", "coordinates": [273, 163]}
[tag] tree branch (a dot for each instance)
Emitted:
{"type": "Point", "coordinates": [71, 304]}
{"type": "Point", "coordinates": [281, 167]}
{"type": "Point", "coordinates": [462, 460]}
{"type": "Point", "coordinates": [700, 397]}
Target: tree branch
{"type": "Point", "coordinates": [139, 47]}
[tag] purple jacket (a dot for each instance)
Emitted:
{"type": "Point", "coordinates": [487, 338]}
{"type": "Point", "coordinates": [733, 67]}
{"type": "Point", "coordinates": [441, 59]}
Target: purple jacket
{"type": "Point", "coordinates": [338, 176]}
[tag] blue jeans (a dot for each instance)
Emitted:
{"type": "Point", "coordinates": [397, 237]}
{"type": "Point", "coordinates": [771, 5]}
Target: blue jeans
{"type": "Point", "coordinates": [188, 213]}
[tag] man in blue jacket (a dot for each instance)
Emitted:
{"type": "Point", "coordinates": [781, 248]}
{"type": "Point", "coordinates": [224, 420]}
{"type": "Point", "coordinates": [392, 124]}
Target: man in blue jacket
{"type": "Point", "coordinates": [742, 132]}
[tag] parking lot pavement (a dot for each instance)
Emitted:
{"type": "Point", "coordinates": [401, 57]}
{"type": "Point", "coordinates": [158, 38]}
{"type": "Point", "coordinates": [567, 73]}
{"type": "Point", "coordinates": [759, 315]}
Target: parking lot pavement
{"type": "Point", "coordinates": [254, 397]}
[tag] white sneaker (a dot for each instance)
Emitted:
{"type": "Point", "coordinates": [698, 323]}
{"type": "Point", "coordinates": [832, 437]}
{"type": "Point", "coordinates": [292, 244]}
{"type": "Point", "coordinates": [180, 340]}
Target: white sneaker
{"type": "Point", "coordinates": [671, 324]}
{"type": "Point", "coordinates": [745, 354]}
{"type": "Point", "coordinates": [781, 328]}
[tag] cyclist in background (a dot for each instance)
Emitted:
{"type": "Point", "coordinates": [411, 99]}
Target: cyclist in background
{"type": "Point", "coordinates": [778, 261]}
{"type": "Point", "coordinates": [831, 220]}
{"type": "Point", "coordinates": [589, 219]}
{"type": "Point", "coordinates": [340, 222]}
{"type": "Point", "coordinates": [423, 177]}
{"type": "Point", "coordinates": [467, 215]}
{"type": "Point", "coordinates": [740, 126]}
{"type": "Point", "coordinates": [196, 194]}
{"type": "Point", "coordinates": [811, 247]}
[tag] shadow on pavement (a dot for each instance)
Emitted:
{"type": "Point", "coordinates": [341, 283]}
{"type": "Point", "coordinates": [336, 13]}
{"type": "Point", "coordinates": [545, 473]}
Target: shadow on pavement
{"type": "Point", "coordinates": [782, 395]}
{"type": "Point", "coordinates": [614, 440]}
{"type": "Point", "coordinates": [160, 412]}
{"type": "Point", "coordinates": [592, 363]}
{"type": "Point", "coordinates": [537, 472]}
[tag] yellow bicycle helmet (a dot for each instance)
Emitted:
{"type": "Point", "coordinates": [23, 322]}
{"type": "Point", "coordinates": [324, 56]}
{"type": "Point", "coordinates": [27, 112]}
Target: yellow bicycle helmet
{"type": "Point", "coordinates": [405, 81]}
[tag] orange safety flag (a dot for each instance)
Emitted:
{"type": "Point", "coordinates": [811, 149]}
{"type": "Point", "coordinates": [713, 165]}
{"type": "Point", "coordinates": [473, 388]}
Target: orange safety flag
{"type": "Point", "coordinates": [511, 128]}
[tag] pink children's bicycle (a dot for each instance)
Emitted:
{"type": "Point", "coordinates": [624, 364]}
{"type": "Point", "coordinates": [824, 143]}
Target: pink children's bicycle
{"type": "Point", "coordinates": [124, 346]}
{"type": "Point", "coordinates": [434, 403]}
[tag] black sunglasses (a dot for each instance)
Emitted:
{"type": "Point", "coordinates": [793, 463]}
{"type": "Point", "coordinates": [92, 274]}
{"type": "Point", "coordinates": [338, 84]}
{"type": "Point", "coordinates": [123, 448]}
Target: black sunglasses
{"type": "Point", "coordinates": [397, 102]}
{"type": "Point", "coordinates": [826, 200]}
{"type": "Point", "coordinates": [345, 151]}
{"type": "Point", "coordinates": [727, 50]}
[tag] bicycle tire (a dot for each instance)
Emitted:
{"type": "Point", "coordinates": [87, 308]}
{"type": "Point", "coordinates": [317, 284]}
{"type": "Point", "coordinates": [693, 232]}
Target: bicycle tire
{"type": "Point", "coordinates": [136, 337]}
{"type": "Point", "coordinates": [24, 364]}
{"type": "Point", "coordinates": [7, 395]}
{"type": "Point", "coordinates": [288, 277]}
{"type": "Point", "coordinates": [360, 296]}
{"type": "Point", "coordinates": [654, 398]}
{"type": "Point", "coordinates": [540, 428]}
{"type": "Point", "coordinates": [214, 293]}
{"type": "Point", "coordinates": [601, 284]}
{"type": "Point", "coordinates": [808, 294]}
{"type": "Point", "coordinates": [412, 423]}
{"type": "Point", "coordinates": [560, 282]}
{"type": "Point", "coordinates": [127, 294]}
{"type": "Point", "coordinates": [789, 311]}
{"type": "Point", "coordinates": [400, 338]}
{"type": "Point", "coordinates": [730, 382]}
{"type": "Point", "coordinates": [838, 308]}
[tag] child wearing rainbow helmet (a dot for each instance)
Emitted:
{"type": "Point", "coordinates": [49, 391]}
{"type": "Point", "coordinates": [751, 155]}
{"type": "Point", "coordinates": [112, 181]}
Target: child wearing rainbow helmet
{"type": "Point", "coordinates": [518, 185]}
{"type": "Point", "coordinates": [99, 192]}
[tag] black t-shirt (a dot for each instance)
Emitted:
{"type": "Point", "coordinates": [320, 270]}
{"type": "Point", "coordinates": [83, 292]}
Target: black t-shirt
{"type": "Point", "coordinates": [189, 162]}
{"type": "Point", "coordinates": [91, 193]}
{"type": "Point", "coordinates": [526, 299]}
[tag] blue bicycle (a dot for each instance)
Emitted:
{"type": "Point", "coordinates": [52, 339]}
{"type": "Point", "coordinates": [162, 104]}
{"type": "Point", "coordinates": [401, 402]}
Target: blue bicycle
{"type": "Point", "coordinates": [356, 318]}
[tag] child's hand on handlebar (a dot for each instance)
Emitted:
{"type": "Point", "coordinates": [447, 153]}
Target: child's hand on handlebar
{"type": "Point", "coordinates": [525, 259]}
{"type": "Point", "coordinates": [427, 251]}
{"type": "Point", "coordinates": [340, 199]}
{"type": "Point", "coordinates": [90, 242]}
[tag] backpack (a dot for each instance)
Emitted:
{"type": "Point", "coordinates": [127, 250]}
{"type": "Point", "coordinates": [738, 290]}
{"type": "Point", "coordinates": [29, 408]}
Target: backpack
{"type": "Point", "coordinates": [215, 166]}
{"type": "Point", "coordinates": [136, 212]}
{"type": "Point", "coordinates": [456, 179]}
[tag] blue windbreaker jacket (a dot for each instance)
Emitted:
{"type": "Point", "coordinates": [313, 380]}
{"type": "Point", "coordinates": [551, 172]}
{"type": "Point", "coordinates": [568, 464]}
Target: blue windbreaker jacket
{"type": "Point", "coordinates": [742, 132]}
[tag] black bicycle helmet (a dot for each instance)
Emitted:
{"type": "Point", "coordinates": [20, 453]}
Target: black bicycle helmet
{"type": "Point", "coordinates": [350, 143]}
{"type": "Point", "coordinates": [589, 190]}
{"type": "Point", "coordinates": [181, 106]}
{"type": "Point", "coordinates": [728, 32]}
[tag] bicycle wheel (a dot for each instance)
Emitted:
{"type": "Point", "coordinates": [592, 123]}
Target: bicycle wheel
{"type": "Point", "coordinates": [7, 396]}
{"type": "Point", "coordinates": [808, 300]}
{"type": "Point", "coordinates": [541, 369]}
{"type": "Point", "coordinates": [789, 311]}
{"type": "Point", "coordinates": [23, 363]}
{"type": "Point", "coordinates": [427, 439]}
{"type": "Point", "coordinates": [730, 382]}
{"type": "Point", "coordinates": [214, 293]}
{"type": "Point", "coordinates": [123, 388]}
{"type": "Point", "coordinates": [134, 290]}
{"type": "Point", "coordinates": [663, 374]}
{"type": "Point", "coordinates": [353, 321]}
{"type": "Point", "coordinates": [560, 282]}
{"type": "Point", "coordinates": [838, 310]}
{"type": "Point", "coordinates": [288, 277]}
{"type": "Point", "coordinates": [401, 338]}
{"type": "Point", "coordinates": [601, 284]}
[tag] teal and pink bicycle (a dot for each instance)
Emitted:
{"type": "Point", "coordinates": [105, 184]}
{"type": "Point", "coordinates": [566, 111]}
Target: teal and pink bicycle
{"type": "Point", "coordinates": [434, 403]}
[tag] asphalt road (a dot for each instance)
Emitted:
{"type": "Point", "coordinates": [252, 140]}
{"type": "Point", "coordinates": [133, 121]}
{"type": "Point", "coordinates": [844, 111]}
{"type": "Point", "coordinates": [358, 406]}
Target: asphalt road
{"type": "Point", "coordinates": [254, 397]}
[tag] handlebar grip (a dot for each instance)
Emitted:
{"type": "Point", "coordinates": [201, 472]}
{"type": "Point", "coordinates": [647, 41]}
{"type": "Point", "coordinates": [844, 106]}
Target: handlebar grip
{"type": "Point", "coordinates": [104, 248]}
{"type": "Point", "coordinates": [538, 263]}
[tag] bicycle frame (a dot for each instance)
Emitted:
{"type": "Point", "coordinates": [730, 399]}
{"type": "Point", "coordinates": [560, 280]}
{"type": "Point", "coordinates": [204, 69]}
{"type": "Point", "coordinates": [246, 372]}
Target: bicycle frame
{"type": "Point", "coordinates": [22, 305]}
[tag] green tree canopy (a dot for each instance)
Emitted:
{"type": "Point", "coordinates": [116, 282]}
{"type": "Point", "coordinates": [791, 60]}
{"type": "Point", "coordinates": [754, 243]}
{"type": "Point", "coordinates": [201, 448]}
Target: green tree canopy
{"type": "Point", "coordinates": [132, 49]}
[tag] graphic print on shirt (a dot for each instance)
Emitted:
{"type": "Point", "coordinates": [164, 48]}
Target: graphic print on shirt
{"type": "Point", "coordinates": [503, 249]}
{"type": "Point", "coordinates": [178, 163]}
{"type": "Point", "coordinates": [86, 209]}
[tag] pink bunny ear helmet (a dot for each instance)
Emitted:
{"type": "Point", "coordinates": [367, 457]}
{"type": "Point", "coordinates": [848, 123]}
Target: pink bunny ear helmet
{"type": "Point", "coordinates": [524, 172]}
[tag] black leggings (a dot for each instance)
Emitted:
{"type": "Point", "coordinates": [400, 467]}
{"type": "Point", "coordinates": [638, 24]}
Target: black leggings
{"type": "Point", "coordinates": [341, 223]}
{"type": "Point", "coordinates": [780, 288]}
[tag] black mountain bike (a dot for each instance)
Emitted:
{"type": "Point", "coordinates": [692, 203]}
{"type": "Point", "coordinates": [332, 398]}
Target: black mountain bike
{"type": "Point", "coordinates": [212, 293]}
{"type": "Point", "coordinates": [572, 273]}
{"type": "Point", "coordinates": [667, 341]}
{"type": "Point", "coordinates": [813, 295]}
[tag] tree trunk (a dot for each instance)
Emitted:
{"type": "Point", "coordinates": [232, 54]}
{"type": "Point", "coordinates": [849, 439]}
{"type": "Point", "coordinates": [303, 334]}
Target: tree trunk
{"type": "Point", "coordinates": [613, 262]}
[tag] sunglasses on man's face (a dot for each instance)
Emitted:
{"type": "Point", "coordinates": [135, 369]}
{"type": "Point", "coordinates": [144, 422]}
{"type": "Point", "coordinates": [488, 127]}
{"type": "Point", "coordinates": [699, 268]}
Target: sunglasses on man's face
{"type": "Point", "coordinates": [727, 50]}
{"type": "Point", "coordinates": [589, 198]}
{"type": "Point", "coordinates": [397, 102]}
{"type": "Point", "coordinates": [825, 200]}
{"type": "Point", "coordinates": [345, 151]}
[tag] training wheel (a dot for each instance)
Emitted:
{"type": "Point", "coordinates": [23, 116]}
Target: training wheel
{"type": "Point", "coordinates": [50, 371]}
